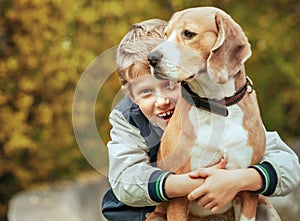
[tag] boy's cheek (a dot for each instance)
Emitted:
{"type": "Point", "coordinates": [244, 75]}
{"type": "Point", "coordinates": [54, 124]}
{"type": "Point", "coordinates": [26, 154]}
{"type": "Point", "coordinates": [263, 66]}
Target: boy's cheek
{"type": "Point", "coordinates": [145, 107]}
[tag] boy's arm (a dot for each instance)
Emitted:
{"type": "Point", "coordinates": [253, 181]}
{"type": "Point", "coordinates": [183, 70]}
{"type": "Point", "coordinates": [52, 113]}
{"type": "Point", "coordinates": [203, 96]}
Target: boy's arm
{"type": "Point", "coordinates": [129, 169]}
{"type": "Point", "coordinates": [284, 162]}
{"type": "Point", "coordinates": [279, 169]}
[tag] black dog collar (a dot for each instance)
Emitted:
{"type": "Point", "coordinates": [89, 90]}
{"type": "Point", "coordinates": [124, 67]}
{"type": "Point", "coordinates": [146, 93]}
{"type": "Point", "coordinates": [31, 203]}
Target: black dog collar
{"type": "Point", "coordinates": [213, 105]}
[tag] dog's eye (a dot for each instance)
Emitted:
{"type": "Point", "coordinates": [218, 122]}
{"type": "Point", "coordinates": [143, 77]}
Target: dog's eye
{"type": "Point", "coordinates": [188, 34]}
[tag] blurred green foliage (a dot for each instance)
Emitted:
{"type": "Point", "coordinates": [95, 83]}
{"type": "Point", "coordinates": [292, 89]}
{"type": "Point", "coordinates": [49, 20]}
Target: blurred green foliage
{"type": "Point", "coordinates": [45, 45]}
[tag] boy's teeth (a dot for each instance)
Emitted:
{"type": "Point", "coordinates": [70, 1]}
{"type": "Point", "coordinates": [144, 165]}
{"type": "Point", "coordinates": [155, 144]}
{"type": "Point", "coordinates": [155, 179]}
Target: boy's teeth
{"type": "Point", "coordinates": [165, 114]}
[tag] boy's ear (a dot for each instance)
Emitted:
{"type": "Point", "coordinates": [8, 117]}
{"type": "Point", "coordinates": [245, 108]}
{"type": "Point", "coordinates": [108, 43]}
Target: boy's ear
{"type": "Point", "coordinates": [127, 91]}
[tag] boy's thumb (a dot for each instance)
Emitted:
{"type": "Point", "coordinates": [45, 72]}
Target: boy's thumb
{"type": "Point", "coordinates": [198, 173]}
{"type": "Point", "coordinates": [222, 163]}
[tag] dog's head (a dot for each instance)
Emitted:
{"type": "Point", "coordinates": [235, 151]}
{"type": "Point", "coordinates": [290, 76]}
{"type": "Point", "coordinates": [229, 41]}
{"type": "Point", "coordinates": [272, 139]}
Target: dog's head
{"type": "Point", "coordinates": [200, 40]}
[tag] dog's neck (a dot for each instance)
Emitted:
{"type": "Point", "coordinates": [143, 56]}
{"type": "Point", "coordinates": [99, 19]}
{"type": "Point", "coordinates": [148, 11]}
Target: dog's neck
{"type": "Point", "coordinates": [198, 97]}
{"type": "Point", "coordinates": [204, 86]}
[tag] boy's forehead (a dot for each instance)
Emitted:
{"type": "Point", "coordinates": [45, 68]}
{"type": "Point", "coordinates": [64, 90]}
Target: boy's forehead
{"type": "Point", "coordinates": [143, 80]}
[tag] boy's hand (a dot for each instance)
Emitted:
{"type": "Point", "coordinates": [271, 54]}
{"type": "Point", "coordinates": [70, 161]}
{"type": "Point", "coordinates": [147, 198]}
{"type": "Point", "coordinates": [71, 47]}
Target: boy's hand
{"type": "Point", "coordinates": [198, 173]}
{"type": "Point", "coordinates": [212, 195]}
{"type": "Point", "coordinates": [221, 186]}
{"type": "Point", "coordinates": [183, 184]}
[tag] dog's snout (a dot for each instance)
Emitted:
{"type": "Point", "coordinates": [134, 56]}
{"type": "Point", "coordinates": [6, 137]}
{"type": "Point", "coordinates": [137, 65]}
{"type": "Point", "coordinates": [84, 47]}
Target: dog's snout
{"type": "Point", "coordinates": [154, 57]}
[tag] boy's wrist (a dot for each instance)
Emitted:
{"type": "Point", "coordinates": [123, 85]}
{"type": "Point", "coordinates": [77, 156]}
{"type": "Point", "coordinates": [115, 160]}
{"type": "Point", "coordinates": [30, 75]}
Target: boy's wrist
{"type": "Point", "coordinates": [269, 178]}
{"type": "Point", "coordinates": [181, 185]}
{"type": "Point", "coordinates": [156, 185]}
{"type": "Point", "coordinates": [254, 181]}
{"type": "Point", "coordinates": [170, 182]}
{"type": "Point", "coordinates": [245, 179]}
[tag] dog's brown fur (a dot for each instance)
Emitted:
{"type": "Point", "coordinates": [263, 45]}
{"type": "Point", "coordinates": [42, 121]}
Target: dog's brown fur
{"type": "Point", "coordinates": [221, 48]}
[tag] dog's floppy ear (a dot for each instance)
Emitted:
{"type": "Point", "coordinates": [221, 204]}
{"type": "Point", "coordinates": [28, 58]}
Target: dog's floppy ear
{"type": "Point", "coordinates": [230, 51]}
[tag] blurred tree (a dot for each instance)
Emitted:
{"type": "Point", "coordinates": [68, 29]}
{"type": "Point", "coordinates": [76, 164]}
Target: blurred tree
{"type": "Point", "coordinates": [38, 72]}
{"type": "Point", "coordinates": [45, 45]}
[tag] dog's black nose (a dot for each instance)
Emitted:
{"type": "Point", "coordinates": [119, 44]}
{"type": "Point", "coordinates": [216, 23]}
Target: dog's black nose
{"type": "Point", "coordinates": [154, 58]}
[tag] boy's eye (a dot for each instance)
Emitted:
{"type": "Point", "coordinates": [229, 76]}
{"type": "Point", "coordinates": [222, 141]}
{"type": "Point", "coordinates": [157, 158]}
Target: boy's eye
{"type": "Point", "coordinates": [146, 91]}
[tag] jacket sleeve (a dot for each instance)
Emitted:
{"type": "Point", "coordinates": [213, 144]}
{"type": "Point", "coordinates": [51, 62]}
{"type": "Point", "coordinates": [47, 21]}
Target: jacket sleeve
{"type": "Point", "coordinates": [129, 163]}
{"type": "Point", "coordinates": [285, 163]}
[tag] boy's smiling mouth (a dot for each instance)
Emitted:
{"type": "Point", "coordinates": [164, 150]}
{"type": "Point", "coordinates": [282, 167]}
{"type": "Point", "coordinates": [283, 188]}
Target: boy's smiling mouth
{"type": "Point", "coordinates": [166, 115]}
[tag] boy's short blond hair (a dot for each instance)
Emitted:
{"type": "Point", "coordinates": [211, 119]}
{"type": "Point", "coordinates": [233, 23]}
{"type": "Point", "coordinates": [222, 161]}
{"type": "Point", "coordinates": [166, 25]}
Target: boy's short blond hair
{"type": "Point", "coordinates": [135, 46]}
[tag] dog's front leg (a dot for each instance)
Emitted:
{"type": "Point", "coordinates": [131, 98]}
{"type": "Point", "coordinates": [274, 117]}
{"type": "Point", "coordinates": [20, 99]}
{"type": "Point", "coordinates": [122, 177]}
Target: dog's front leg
{"type": "Point", "coordinates": [178, 209]}
{"type": "Point", "coordinates": [265, 211]}
{"type": "Point", "coordinates": [247, 205]}
{"type": "Point", "coordinates": [160, 213]}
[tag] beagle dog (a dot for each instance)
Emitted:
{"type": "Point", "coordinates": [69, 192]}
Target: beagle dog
{"type": "Point", "coordinates": [217, 115]}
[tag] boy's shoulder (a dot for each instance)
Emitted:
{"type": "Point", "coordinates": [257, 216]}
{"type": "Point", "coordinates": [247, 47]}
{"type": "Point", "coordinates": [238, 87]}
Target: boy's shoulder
{"type": "Point", "coordinates": [133, 115]}
{"type": "Point", "coordinates": [130, 111]}
{"type": "Point", "coordinates": [126, 106]}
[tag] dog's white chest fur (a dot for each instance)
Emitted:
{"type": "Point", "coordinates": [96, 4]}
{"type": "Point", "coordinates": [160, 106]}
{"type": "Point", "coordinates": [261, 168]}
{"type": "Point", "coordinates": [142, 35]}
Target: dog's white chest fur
{"type": "Point", "coordinates": [218, 137]}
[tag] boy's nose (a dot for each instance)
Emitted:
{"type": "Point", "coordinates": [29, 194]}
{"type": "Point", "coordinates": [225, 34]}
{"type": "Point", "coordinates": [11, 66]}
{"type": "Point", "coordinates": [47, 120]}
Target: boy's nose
{"type": "Point", "coordinates": [161, 101]}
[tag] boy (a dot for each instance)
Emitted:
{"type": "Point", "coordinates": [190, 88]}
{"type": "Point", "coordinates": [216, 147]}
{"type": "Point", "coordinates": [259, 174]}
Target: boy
{"type": "Point", "coordinates": [138, 122]}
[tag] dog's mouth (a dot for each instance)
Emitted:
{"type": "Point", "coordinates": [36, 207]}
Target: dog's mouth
{"type": "Point", "coordinates": [171, 75]}
{"type": "Point", "coordinates": [161, 76]}
{"type": "Point", "coordinates": [166, 115]}
{"type": "Point", "coordinates": [158, 74]}
{"type": "Point", "coordinates": [190, 77]}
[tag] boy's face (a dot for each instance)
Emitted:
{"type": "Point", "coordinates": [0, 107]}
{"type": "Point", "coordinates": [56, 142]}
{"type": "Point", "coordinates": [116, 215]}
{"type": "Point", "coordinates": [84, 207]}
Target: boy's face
{"type": "Point", "coordinates": [156, 98]}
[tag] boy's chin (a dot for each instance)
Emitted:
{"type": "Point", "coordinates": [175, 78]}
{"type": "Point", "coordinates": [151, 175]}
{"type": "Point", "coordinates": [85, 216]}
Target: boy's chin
{"type": "Point", "coordinates": [161, 123]}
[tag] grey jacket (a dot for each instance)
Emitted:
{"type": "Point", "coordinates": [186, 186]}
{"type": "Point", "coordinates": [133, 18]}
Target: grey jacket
{"type": "Point", "coordinates": [130, 170]}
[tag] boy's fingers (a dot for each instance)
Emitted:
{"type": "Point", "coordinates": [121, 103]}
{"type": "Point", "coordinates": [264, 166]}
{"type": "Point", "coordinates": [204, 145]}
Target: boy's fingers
{"type": "Point", "coordinates": [195, 194]}
{"type": "Point", "coordinates": [210, 206]}
{"type": "Point", "coordinates": [215, 209]}
{"type": "Point", "coordinates": [222, 163]}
